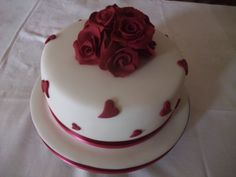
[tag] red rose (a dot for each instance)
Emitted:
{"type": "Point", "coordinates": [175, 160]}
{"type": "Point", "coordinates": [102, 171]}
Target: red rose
{"type": "Point", "coordinates": [116, 39]}
{"type": "Point", "coordinates": [122, 62]}
{"type": "Point", "coordinates": [132, 28]}
{"type": "Point", "coordinates": [103, 18]}
{"type": "Point", "coordinates": [87, 45]}
{"type": "Point", "coordinates": [107, 51]}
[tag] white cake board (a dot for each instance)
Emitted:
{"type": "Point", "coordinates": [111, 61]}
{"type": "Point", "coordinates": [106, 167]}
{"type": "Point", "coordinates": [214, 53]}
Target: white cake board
{"type": "Point", "coordinates": [103, 160]}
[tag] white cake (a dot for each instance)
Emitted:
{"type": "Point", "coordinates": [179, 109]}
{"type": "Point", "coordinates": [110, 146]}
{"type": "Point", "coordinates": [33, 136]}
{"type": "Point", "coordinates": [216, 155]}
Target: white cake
{"type": "Point", "coordinates": [76, 93]}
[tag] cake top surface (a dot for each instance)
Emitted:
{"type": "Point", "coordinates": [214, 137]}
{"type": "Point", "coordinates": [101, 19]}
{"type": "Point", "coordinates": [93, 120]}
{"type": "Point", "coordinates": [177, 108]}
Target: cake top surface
{"type": "Point", "coordinates": [157, 77]}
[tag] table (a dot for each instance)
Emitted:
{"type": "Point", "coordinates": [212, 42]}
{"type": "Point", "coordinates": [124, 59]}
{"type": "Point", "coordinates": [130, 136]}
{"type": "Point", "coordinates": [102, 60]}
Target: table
{"type": "Point", "coordinates": [206, 36]}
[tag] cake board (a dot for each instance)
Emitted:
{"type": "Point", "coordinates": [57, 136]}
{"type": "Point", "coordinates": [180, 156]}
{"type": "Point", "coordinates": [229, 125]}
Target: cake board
{"type": "Point", "coordinates": [102, 160]}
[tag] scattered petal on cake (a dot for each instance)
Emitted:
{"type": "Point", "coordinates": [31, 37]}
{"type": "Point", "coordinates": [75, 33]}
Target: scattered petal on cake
{"type": "Point", "coordinates": [166, 35]}
{"type": "Point", "coordinates": [136, 133]}
{"type": "Point", "coordinates": [45, 87]}
{"type": "Point", "coordinates": [53, 36]}
{"type": "Point", "coordinates": [177, 103]}
{"type": "Point", "coordinates": [75, 126]}
{"type": "Point", "coordinates": [183, 63]}
{"type": "Point", "coordinates": [166, 108]}
{"type": "Point", "coordinates": [110, 110]}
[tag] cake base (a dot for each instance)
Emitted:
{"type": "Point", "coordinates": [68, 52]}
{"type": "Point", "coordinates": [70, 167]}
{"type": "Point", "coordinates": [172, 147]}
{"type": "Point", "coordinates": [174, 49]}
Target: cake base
{"type": "Point", "coordinates": [100, 160]}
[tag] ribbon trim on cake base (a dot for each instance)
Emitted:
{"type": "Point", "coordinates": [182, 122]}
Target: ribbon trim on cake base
{"type": "Point", "coordinates": [103, 170]}
{"type": "Point", "coordinates": [111, 144]}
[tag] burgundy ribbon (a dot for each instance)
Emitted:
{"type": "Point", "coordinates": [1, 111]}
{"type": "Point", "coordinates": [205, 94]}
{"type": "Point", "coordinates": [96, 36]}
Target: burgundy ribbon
{"type": "Point", "coordinates": [103, 170]}
{"type": "Point", "coordinates": [111, 171]}
{"type": "Point", "coordinates": [112, 145]}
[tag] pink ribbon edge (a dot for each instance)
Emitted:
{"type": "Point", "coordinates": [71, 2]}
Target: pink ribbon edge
{"type": "Point", "coordinates": [112, 171]}
{"type": "Point", "coordinates": [110, 145]}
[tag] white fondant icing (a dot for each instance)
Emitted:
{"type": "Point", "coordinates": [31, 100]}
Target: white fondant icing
{"type": "Point", "coordinates": [78, 92]}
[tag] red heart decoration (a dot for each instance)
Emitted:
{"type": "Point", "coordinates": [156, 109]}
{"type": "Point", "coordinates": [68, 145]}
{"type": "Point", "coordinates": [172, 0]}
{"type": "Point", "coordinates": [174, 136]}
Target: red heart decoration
{"type": "Point", "coordinates": [177, 103]}
{"type": "Point", "coordinates": [183, 63]}
{"type": "Point", "coordinates": [75, 126]}
{"type": "Point", "coordinates": [136, 133]}
{"type": "Point", "coordinates": [45, 87]}
{"type": "Point", "coordinates": [53, 36]}
{"type": "Point", "coordinates": [166, 108]}
{"type": "Point", "coordinates": [110, 110]}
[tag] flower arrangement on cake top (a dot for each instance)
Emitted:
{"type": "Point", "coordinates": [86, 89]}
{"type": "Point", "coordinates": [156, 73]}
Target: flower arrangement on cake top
{"type": "Point", "coordinates": [116, 39]}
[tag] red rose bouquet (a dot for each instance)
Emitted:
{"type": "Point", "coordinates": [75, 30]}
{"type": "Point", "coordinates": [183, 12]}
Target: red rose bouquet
{"type": "Point", "coordinates": [116, 39]}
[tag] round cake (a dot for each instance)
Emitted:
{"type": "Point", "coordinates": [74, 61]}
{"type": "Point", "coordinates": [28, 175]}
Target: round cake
{"type": "Point", "coordinates": [94, 104]}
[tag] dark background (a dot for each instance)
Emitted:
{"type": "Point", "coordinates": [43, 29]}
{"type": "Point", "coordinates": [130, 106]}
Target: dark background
{"type": "Point", "coordinates": [222, 2]}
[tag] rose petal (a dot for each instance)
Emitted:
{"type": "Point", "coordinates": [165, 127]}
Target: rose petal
{"type": "Point", "coordinates": [136, 132]}
{"type": "Point", "coordinates": [183, 63]}
{"type": "Point", "coordinates": [166, 108]}
{"type": "Point", "coordinates": [51, 37]}
{"type": "Point", "coordinates": [45, 87]}
{"type": "Point", "coordinates": [75, 126]}
{"type": "Point", "coordinates": [110, 110]}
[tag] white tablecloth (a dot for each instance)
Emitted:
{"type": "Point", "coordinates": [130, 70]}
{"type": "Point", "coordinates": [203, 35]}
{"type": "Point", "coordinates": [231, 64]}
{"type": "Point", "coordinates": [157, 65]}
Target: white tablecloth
{"type": "Point", "coordinates": [206, 35]}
